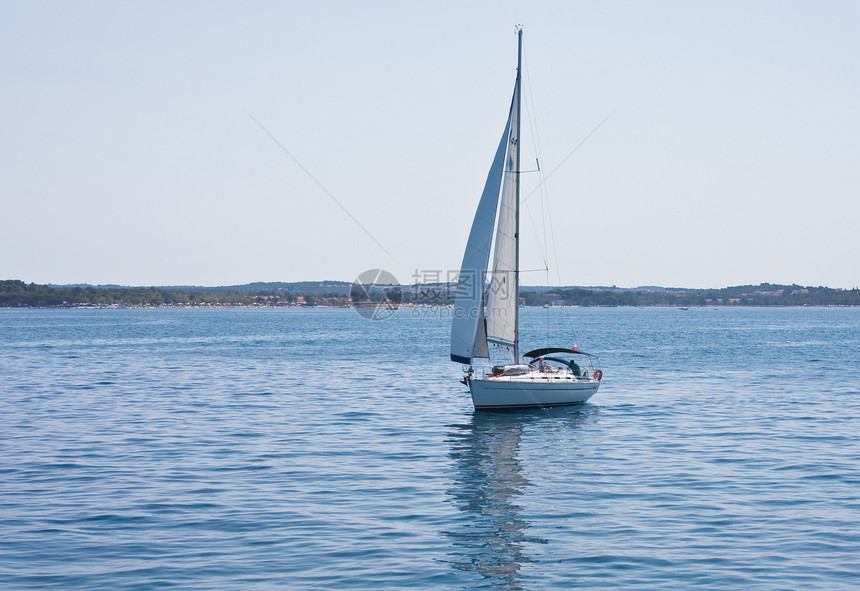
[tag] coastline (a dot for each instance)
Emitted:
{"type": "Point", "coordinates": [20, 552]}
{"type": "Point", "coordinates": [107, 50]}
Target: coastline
{"type": "Point", "coordinates": [17, 294]}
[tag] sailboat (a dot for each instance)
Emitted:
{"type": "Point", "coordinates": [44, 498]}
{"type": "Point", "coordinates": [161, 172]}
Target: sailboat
{"type": "Point", "coordinates": [486, 303]}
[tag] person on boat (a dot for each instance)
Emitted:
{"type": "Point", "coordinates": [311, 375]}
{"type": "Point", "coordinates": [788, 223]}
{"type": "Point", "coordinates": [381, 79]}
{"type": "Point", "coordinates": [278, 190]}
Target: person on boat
{"type": "Point", "coordinates": [542, 366]}
{"type": "Point", "coordinates": [577, 371]}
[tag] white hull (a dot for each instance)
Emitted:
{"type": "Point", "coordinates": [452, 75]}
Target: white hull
{"type": "Point", "coordinates": [531, 390]}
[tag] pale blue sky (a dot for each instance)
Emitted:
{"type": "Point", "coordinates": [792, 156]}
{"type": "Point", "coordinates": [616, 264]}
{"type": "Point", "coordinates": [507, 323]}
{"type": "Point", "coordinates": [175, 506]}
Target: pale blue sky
{"type": "Point", "coordinates": [127, 154]}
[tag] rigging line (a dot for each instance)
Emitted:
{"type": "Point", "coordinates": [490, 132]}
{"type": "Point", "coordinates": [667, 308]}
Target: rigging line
{"type": "Point", "coordinates": [554, 246]}
{"type": "Point", "coordinates": [535, 134]}
{"type": "Point", "coordinates": [533, 129]}
{"type": "Point", "coordinates": [546, 214]}
{"type": "Point", "coordinates": [532, 118]}
{"type": "Point", "coordinates": [572, 152]}
{"type": "Point", "coordinates": [543, 253]}
{"type": "Point", "coordinates": [545, 200]}
{"type": "Point", "coordinates": [546, 314]}
{"type": "Point", "coordinates": [320, 185]}
{"type": "Point", "coordinates": [532, 270]}
{"type": "Point", "coordinates": [561, 323]}
{"type": "Point", "coordinates": [532, 121]}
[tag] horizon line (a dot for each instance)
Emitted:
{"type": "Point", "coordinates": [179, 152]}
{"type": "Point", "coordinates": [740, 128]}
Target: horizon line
{"type": "Point", "coordinates": [426, 284]}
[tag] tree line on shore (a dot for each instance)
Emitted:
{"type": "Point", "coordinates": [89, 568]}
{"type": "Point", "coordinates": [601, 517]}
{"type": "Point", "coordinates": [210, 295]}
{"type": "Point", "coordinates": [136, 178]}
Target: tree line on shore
{"type": "Point", "coordinates": [14, 293]}
{"type": "Point", "coordinates": [765, 294]}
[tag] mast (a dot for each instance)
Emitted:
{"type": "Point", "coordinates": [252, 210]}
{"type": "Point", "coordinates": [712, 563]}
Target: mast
{"type": "Point", "coordinates": [517, 180]}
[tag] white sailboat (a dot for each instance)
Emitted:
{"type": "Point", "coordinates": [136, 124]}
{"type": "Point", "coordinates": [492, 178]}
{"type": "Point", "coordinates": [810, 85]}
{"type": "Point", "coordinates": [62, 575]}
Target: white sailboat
{"type": "Point", "coordinates": [486, 310]}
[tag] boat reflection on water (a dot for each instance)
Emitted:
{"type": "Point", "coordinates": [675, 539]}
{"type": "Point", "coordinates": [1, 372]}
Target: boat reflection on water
{"type": "Point", "coordinates": [492, 539]}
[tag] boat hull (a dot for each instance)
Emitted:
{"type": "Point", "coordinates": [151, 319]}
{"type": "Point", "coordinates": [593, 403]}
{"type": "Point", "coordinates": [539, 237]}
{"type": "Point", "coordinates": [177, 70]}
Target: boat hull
{"type": "Point", "coordinates": [529, 392]}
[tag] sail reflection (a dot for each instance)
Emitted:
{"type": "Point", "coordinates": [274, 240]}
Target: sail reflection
{"type": "Point", "coordinates": [492, 540]}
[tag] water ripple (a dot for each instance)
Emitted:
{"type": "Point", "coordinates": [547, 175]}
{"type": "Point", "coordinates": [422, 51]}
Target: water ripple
{"type": "Point", "coordinates": [312, 449]}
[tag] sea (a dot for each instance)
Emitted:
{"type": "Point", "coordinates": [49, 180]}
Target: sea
{"type": "Point", "coordinates": [314, 448]}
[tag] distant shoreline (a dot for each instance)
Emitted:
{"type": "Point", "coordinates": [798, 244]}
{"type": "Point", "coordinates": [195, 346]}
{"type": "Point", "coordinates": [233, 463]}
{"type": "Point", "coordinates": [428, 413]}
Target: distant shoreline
{"type": "Point", "coordinates": [346, 306]}
{"type": "Point", "coordinates": [336, 294]}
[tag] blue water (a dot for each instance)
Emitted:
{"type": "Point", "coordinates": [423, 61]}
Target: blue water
{"type": "Point", "coordinates": [315, 449]}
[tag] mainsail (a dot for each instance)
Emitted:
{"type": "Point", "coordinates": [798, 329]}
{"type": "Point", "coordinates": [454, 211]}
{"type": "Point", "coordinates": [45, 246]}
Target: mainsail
{"type": "Point", "coordinates": [502, 298]}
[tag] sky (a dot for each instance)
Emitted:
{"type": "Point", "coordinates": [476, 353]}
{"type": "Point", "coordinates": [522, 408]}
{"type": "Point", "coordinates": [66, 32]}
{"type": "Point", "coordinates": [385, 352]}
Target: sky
{"type": "Point", "coordinates": [218, 143]}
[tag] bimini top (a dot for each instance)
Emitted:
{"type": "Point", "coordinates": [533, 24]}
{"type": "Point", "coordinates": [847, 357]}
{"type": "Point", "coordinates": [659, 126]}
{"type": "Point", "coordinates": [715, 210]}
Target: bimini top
{"type": "Point", "coordinates": [550, 350]}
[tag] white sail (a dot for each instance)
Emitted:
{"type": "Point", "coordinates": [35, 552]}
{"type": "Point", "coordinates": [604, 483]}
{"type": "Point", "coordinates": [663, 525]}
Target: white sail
{"type": "Point", "coordinates": [468, 334]}
{"type": "Point", "coordinates": [502, 296]}
{"type": "Point", "coordinates": [488, 314]}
